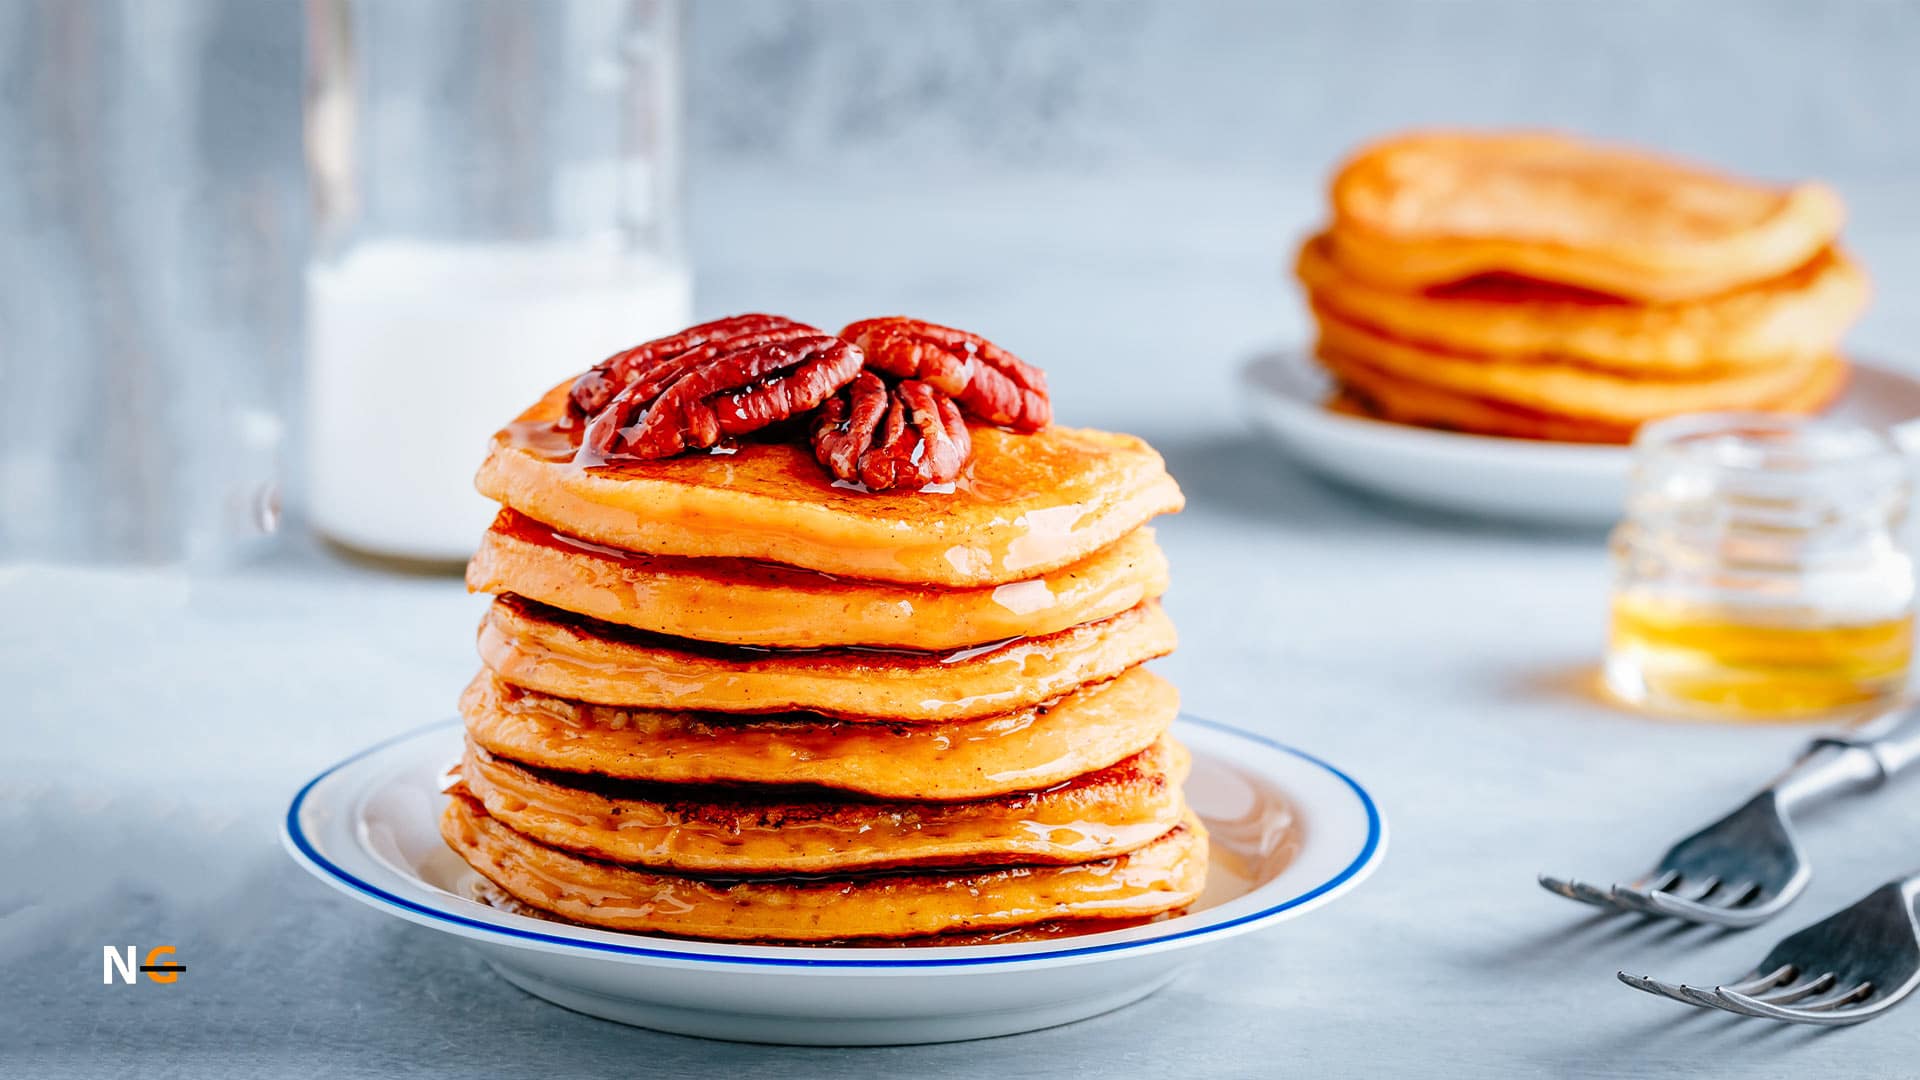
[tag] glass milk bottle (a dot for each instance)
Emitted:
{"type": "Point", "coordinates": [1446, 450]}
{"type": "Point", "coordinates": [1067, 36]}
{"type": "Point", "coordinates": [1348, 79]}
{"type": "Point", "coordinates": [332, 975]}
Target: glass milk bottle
{"type": "Point", "coordinates": [495, 190]}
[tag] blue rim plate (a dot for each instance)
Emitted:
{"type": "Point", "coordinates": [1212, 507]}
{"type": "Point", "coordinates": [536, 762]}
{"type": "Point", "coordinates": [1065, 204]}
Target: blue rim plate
{"type": "Point", "coordinates": [1290, 831]}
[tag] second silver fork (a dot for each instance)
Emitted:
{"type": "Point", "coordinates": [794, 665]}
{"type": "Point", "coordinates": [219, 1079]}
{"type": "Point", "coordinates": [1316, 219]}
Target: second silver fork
{"type": "Point", "coordinates": [1747, 867]}
{"type": "Point", "coordinates": [1847, 968]}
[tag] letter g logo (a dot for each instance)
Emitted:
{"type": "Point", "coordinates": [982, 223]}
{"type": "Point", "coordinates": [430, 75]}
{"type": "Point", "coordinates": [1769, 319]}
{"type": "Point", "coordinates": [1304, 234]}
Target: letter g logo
{"type": "Point", "coordinates": [157, 970]}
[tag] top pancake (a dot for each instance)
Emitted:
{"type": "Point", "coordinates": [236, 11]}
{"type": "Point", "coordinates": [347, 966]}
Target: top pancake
{"type": "Point", "coordinates": [1434, 207]}
{"type": "Point", "coordinates": [1026, 504]}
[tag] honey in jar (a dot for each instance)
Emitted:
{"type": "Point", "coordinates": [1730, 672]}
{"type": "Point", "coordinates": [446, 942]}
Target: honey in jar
{"type": "Point", "coordinates": [1762, 569]}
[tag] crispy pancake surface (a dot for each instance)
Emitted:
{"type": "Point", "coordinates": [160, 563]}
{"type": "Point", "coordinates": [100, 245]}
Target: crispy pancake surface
{"type": "Point", "coordinates": [1368, 390]}
{"type": "Point", "coordinates": [1562, 389]}
{"type": "Point", "coordinates": [1164, 874]}
{"type": "Point", "coordinates": [776, 831]}
{"type": "Point", "coordinates": [567, 656]}
{"type": "Point", "coordinates": [743, 602]}
{"type": "Point", "coordinates": [1027, 503]}
{"type": "Point", "coordinates": [1798, 315]}
{"type": "Point", "coordinates": [1442, 206]}
{"type": "Point", "coordinates": [1090, 728]}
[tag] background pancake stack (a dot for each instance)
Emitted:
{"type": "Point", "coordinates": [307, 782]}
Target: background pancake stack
{"type": "Point", "coordinates": [929, 719]}
{"type": "Point", "coordinates": [1536, 286]}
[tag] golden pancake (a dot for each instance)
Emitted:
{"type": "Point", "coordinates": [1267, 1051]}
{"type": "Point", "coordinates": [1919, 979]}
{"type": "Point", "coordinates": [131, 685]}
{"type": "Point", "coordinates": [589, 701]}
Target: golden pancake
{"type": "Point", "coordinates": [742, 602]}
{"type": "Point", "coordinates": [486, 892]}
{"type": "Point", "coordinates": [1562, 389]}
{"type": "Point", "coordinates": [1025, 505]}
{"type": "Point", "coordinates": [777, 831]}
{"type": "Point", "coordinates": [1804, 313]}
{"type": "Point", "coordinates": [1387, 396]}
{"type": "Point", "coordinates": [1089, 729]}
{"type": "Point", "coordinates": [1369, 393]}
{"type": "Point", "coordinates": [1432, 207]}
{"type": "Point", "coordinates": [1165, 874]}
{"type": "Point", "coordinates": [570, 657]}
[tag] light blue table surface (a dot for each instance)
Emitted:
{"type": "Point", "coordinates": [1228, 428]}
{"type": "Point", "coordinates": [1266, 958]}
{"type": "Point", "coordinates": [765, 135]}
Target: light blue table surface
{"type": "Point", "coordinates": [156, 724]}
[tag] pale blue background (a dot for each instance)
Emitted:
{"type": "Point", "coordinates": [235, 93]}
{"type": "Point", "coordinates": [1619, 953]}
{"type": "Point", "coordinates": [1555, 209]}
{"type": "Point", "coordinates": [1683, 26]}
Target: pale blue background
{"type": "Point", "coordinates": [1111, 188]}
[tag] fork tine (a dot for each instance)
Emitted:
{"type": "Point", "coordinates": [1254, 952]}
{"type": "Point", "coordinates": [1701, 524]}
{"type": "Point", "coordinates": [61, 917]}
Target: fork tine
{"type": "Point", "coordinates": [1844, 995]}
{"type": "Point", "coordinates": [1727, 895]}
{"type": "Point", "coordinates": [1742, 998]}
{"type": "Point", "coordinates": [1710, 914]}
{"type": "Point", "coordinates": [1828, 1017]}
{"type": "Point", "coordinates": [1557, 886]}
{"type": "Point", "coordinates": [1662, 902]}
{"type": "Point", "coordinates": [1734, 997]}
{"type": "Point", "coordinates": [1577, 890]}
{"type": "Point", "coordinates": [1593, 894]}
{"type": "Point", "coordinates": [1708, 999]}
{"type": "Point", "coordinates": [1633, 899]}
{"type": "Point", "coordinates": [1755, 982]}
{"type": "Point", "coordinates": [1696, 891]}
{"type": "Point", "coordinates": [1654, 986]}
{"type": "Point", "coordinates": [1658, 882]}
{"type": "Point", "coordinates": [1797, 990]}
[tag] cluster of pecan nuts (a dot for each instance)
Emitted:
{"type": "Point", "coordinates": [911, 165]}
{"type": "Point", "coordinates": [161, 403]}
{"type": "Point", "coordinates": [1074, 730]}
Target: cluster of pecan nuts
{"type": "Point", "coordinates": [889, 394]}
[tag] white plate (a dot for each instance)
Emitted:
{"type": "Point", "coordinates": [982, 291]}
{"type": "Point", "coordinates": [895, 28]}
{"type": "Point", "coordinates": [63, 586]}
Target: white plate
{"type": "Point", "coordinates": [1561, 483]}
{"type": "Point", "coordinates": [1289, 834]}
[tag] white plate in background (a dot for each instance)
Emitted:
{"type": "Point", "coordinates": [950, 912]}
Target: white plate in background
{"type": "Point", "coordinates": [1483, 475]}
{"type": "Point", "coordinates": [1289, 833]}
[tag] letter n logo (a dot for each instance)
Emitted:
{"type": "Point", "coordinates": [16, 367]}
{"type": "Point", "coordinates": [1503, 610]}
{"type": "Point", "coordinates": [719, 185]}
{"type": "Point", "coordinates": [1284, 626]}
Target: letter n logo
{"type": "Point", "coordinates": [114, 964]}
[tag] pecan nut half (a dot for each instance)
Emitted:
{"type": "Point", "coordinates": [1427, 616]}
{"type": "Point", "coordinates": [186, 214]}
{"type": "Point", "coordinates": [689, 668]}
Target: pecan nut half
{"type": "Point", "coordinates": [987, 380]}
{"type": "Point", "coordinates": [718, 389]}
{"type": "Point", "coordinates": [907, 435]}
{"type": "Point", "coordinates": [665, 358]}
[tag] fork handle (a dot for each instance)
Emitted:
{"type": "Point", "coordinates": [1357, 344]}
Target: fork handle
{"type": "Point", "coordinates": [1857, 760]}
{"type": "Point", "coordinates": [1893, 738]}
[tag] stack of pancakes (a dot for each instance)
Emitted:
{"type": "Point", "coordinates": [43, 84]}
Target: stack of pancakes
{"type": "Point", "coordinates": [728, 697]}
{"type": "Point", "coordinates": [1536, 286]}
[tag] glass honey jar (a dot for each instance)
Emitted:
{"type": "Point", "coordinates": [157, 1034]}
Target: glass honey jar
{"type": "Point", "coordinates": [1762, 569]}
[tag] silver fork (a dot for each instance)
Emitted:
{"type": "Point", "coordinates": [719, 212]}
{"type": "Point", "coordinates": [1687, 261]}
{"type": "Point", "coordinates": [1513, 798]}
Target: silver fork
{"type": "Point", "coordinates": [1849, 967]}
{"type": "Point", "coordinates": [1747, 867]}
